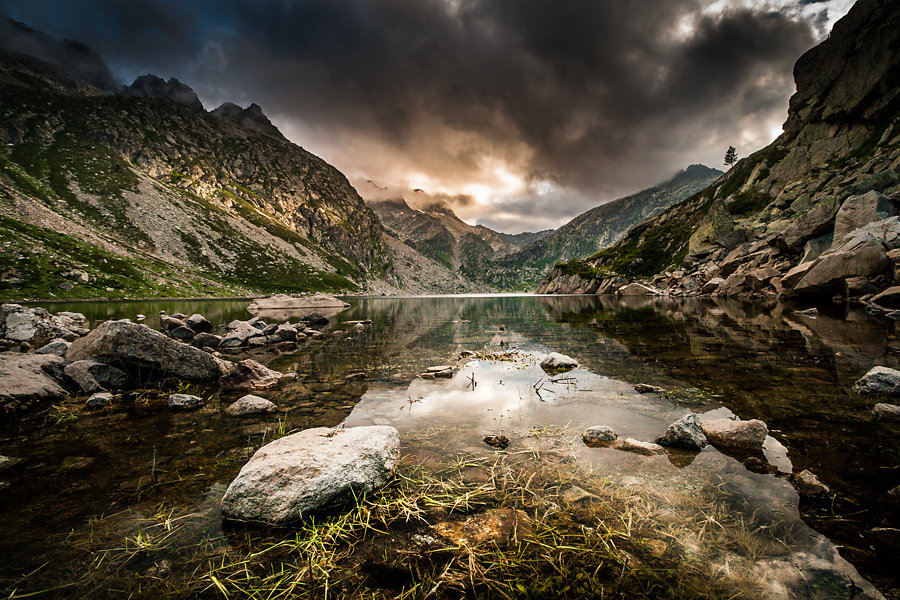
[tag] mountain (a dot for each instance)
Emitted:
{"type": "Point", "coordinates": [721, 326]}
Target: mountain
{"type": "Point", "coordinates": [590, 231]}
{"type": "Point", "coordinates": [437, 233]}
{"type": "Point", "coordinates": [811, 216]}
{"type": "Point", "coordinates": [112, 195]}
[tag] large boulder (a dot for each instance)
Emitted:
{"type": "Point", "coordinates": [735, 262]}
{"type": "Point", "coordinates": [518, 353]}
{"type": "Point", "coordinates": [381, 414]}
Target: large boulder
{"type": "Point", "coordinates": [250, 375]}
{"type": "Point", "coordinates": [25, 380]}
{"type": "Point", "coordinates": [815, 222]}
{"type": "Point", "coordinates": [686, 432]}
{"type": "Point", "coordinates": [879, 381]}
{"type": "Point", "coordinates": [240, 332]}
{"type": "Point", "coordinates": [887, 412]}
{"type": "Point", "coordinates": [858, 211]}
{"type": "Point", "coordinates": [318, 468]}
{"type": "Point", "coordinates": [867, 258]}
{"type": "Point", "coordinates": [93, 376]}
{"type": "Point", "coordinates": [739, 436]}
{"type": "Point", "coordinates": [37, 326]}
{"type": "Point", "coordinates": [59, 347]}
{"type": "Point", "coordinates": [146, 354]}
{"type": "Point", "coordinates": [637, 289]}
{"type": "Point", "coordinates": [889, 298]}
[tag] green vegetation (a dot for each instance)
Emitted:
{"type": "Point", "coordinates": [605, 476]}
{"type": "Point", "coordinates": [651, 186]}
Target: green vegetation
{"type": "Point", "coordinates": [748, 203]}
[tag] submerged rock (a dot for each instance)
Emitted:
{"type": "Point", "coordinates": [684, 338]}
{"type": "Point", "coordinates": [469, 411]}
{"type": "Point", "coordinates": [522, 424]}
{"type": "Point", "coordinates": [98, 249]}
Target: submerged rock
{"type": "Point", "coordinates": [250, 405]}
{"type": "Point", "coordinates": [250, 375]}
{"type": "Point", "coordinates": [315, 319]}
{"type": "Point", "coordinates": [146, 353]}
{"type": "Point", "coordinates": [496, 441]}
{"type": "Point", "coordinates": [638, 447]}
{"type": "Point", "coordinates": [646, 388]}
{"type": "Point", "coordinates": [741, 436]}
{"type": "Point", "coordinates": [686, 433]}
{"type": "Point", "coordinates": [185, 402]}
{"type": "Point", "coordinates": [879, 381]}
{"type": "Point", "coordinates": [498, 526]}
{"type": "Point", "coordinates": [558, 362]}
{"type": "Point", "coordinates": [310, 470]}
{"type": "Point", "coordinates": [599, 436]}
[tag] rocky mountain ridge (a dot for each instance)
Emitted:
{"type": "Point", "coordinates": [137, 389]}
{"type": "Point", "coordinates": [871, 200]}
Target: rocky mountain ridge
{"type": "Point", "coordinates": [145, 197]}
{"type": "Point", "coordinates": [591, 231]}
{"type": "Point", "coordinates": [811, 216]}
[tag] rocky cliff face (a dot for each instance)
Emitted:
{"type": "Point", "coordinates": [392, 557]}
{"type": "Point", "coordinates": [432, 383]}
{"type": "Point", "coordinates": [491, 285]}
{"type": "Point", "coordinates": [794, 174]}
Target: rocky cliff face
{"type": "Point", "coordinates": [438, 234]}
{"type": "Point", "coordinates": [597, 228]}
{"type": "Point", "coordinates": [147, 198]}
{"type": "Point", "coordinates": [810, 216]}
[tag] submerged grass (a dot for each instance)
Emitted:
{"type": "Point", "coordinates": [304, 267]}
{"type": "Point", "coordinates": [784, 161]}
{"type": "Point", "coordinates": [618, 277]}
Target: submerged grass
{"type": "Point", "coordinates": [536, 523]}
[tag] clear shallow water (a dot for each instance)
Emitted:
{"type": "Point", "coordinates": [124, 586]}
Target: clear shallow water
{"type": "Point", "coordinates": [792, 371]}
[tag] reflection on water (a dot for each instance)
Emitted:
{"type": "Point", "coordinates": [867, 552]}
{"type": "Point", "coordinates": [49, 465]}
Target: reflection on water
{"type": "Point", "coordinates": [721, 358]}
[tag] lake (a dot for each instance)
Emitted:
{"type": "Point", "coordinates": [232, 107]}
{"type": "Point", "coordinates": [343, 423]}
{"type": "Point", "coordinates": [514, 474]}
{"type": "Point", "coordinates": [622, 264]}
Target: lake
{"type": "Point", "coordinates": [125, 501]}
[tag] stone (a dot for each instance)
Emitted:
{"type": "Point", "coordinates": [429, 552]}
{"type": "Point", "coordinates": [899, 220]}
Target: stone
{"type": "Point", "coordinates": [498, 526]}
{"type": "Point", "coordinates": [558, 362]}
{"type": "Point", "coordinates": [146, 354]}
{"type": "Point", "coordinates": [185, 402]}
{"type": "Point", "coordinates": [448, 374]}
{"type": "Point", "coordinates": [140, 318]}
{"type": "Point", "coordinates": [286, 332]}
{"type": "Point", "coordinates": [598, 436]}
{"type": "Point", "coordinates": [811, 224]}
{"type": "Point", "coordinates": [795, 274]}
{"type": "Point", "coordinates": [198, 323]}
{"type": "Point", "coordinates": [25, 380]}
{"type": "Point", "coordinates": [499, 441]}
{"type": "Point", "coordinates": [250, 375]}
{"type": "Point", "coordinates": [741, 436]}
{"type": "Point", "coordinates": [250, 405]}
{"type": "Point", "coordinates": [887, 412]}
{"type": "Point", "coordinates": [808, 485]}
{"type": "Point", "coordinates": [646, 388]}
{"type": "Point", "coordinates": [66, 286]}
{"type": "Point", "coordinates": [638, 447]}
{"type": "Point", "coordinates": [58, 347]}
{"type": "Point", "coordinates": [284, 302]}
{"type": "Point", "coordinates": [37, 326]}
{"type": "Point", "coordinates": [829, 271]}
{"type": "Point", "coordinates": [206, 340]}
{"type": "Point", "coordinates": [315, 319]}
{"type": "Point", "coordinates": [269, 329]}
{"type": "Point", "coordinates": [240, 332]}
{"type": "Point", "coordinates": [712, 285]}
{"type": "Point", "coordinates": [168, 323]}
{"type": "Point", "coordinates": [95, 376]}
{"type": "Point", "coordinates": [183, 333]}
{"type": "Point", "coordinates": [257, 340]}
{"type": "Point", "coordinates": [879, 381]}
{"type": "Point", "coordinates": [438, 369]}
{"type": "Point", "coordinates": [98, 401]}
{"type": "Point", "coordinates": [859, 211]}
{"type": "Point", "coordinates": [686, 433]}
{"type": "Point", "coordinates": [637, 289]}
{"type": "Point", "coordinates": [426, 375]}
{"type": "Point", "coordinates": [314, 469]}
{"type": "Point", "coordinates": [889, 298]}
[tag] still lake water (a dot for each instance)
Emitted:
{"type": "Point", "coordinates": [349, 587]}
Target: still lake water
{"type": "Point", "coordinates": [83, 483]}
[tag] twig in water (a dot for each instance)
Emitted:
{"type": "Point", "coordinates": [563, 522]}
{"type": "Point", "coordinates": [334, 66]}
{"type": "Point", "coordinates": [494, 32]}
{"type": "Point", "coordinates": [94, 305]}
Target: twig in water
{"type": "Point", "coordinates": [472, 382]}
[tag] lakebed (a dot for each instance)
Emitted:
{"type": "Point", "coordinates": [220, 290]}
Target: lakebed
{"type": "Point", "coordinates": [126, 501]}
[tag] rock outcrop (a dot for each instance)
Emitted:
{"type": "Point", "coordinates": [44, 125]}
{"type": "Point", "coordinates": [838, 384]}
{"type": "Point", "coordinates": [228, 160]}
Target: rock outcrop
{"type": "Point", "coordinates": [812, 216]}
{"type": "Point", "coordinates": [317, 468]}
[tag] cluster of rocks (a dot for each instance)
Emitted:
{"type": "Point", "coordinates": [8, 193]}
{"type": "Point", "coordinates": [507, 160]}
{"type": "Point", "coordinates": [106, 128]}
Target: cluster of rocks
{"type": "Point", "coordinates": [438, 372]}
{"type": "Point", "coordinates": [32, 327]}
{"type": "Point", "coordinates": [196, 330]}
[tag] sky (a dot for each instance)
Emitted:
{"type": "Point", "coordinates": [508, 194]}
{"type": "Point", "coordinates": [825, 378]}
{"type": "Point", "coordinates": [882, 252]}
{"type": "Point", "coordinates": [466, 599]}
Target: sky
{"type": "Point", "coordinates": [518, 114]}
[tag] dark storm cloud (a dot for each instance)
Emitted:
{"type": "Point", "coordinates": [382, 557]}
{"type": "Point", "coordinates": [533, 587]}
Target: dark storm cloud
{"type": "Point", "coordinates": [600, 97]}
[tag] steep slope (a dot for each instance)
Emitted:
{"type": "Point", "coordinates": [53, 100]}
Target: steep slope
{"type": "Point", "coordinates": [590, 231]}
{"type": "Point", "coordinates": [795, 219]}
{"type": "Point", "coordinates": [149, 197]}
{"type": "Point", "coordinates": [438, 234]}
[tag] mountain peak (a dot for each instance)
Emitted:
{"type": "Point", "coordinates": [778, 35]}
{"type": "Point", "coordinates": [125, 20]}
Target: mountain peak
{"type": "Point", "coordinates": [151, 86]}
{"type": "Point", "coordinates": [251, 118]}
